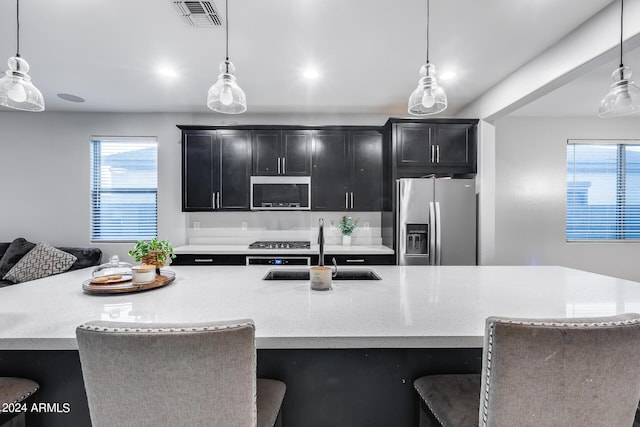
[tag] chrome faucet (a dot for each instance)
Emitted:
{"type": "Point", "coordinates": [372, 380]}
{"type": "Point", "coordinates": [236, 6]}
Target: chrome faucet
{"type": "Point", "coordinates": [321, 242]}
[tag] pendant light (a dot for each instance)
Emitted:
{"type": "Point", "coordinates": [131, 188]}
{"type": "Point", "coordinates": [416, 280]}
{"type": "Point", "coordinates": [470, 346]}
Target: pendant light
{"type": "Point", "coordinates": [623, 97]}
{"type": "Point", "coordinates": [429, 97]}
{"type": "Point", "coordinates": [16, 89]}
{"type": "Point", "coordinates": [225, 96]}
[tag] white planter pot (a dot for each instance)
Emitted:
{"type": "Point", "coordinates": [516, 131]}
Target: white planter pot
{"type": "Point", "coordinates": [346, 240]}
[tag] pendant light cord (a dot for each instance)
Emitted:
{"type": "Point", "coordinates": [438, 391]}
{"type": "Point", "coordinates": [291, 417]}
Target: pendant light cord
{"type": "Point", "coordinates": [427, 31]}
{"type": "Point", "coordinates": [226, 18]}
{"type": "Point", "coordinates": [18, 28]}
{"type": "Point", "coordinates": [621, 30]}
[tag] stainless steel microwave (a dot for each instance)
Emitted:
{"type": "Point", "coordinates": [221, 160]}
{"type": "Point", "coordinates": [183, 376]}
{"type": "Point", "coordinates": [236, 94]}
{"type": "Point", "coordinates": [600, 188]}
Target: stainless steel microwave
{"type": "Point", "coordinates": [280, 192]}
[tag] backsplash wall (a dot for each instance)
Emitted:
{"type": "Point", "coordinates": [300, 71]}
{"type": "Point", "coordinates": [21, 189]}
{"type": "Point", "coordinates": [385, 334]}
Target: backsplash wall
{"type": "Point", "coordinates": [246, 227]}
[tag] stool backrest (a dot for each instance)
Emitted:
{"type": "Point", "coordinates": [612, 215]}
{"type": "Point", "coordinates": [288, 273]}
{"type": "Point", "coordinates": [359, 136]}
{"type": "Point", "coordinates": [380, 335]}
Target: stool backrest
{"type": "Point", "coordinates": [142, 374]}
{"type": "Point", "coordinates": [556, 372]}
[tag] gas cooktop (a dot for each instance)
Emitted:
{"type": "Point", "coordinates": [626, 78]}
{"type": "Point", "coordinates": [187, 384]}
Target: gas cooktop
{"type": "Point", "coordinates": [280, 245]}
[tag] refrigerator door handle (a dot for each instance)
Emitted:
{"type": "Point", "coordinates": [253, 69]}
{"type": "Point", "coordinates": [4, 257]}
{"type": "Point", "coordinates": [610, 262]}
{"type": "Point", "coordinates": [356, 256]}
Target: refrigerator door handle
{"type": "Point", "coordinates": [438, 236]}
{"type": "Point", "coordinates": [432, 234]}
{"type": "Point", "coordinates": [402, 242]}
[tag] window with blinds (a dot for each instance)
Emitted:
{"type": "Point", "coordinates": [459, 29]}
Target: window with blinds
{"type": "Point", "coordinates": [124, 189]}
{"type": "Point", "coordinates": [603, 190]}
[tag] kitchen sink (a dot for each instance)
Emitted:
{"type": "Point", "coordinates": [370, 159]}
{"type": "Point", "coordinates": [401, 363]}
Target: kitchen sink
{"type": "Point", "coordinates": [343, 274]}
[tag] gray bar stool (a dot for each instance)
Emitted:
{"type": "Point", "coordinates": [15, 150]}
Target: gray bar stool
{"type": "Point", "coordinates": [200, 374]}
{"type": "Point", "coordinates": [13, 393]}
{"type": "Point", "coordinates": [543, 372]}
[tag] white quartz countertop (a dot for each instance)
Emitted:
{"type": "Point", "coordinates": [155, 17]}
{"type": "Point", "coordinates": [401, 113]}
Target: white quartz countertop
{"type": "Point", "coordinates": [313, 250]}
{"type": "Point", "coordinates": [412, 307]}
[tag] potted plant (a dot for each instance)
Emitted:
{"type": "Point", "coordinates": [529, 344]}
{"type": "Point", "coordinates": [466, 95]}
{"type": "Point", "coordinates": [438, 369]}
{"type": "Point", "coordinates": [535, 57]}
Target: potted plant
{"type": "Point", "coordinates": [346, 226]}
{"type": "Point", "coordinates": [153, 252]}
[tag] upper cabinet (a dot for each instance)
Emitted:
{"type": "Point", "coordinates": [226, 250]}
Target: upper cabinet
{"type": "Point", "coordinates": [216, 168]}
{"type": "Point", "coordinates": [440, 146]}
{"type": "Point", "coordinates": [282, 152]}
{"type": "Point", "coordinates": [200, 167]}
{"type": "Point", "coordinates": [347, 170]}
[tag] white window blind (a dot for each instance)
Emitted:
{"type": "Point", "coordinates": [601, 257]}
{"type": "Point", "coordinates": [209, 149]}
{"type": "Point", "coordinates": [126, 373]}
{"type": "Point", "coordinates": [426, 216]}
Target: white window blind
{"type": "Point", "coordinates": [124, 189]}
{"type": "Point", "coordinates": [603, 190]}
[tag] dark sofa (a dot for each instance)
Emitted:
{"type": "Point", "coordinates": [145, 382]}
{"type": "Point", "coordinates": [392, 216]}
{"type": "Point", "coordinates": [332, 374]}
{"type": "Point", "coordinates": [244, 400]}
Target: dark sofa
{"type": "Point", "coordinates": [12, 252]}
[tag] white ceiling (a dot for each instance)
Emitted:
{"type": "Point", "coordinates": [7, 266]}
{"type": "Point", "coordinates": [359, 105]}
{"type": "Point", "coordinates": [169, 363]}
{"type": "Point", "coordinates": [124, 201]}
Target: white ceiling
{"type": "Point", "coordinates": [368, 52]}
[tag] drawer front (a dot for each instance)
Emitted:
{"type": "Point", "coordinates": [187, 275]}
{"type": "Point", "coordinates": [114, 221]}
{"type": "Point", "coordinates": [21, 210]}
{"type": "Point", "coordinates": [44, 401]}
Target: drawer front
{"type": "Point", "coordinates": [355, 260]}
{"type": "Point", "coordinates": [208, 259]}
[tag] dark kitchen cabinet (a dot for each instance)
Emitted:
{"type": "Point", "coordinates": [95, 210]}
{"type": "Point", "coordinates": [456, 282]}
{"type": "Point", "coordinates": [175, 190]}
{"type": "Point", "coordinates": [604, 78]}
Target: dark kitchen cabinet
{"type": "Point", "coordinates": [199, 187]}
{"type": "Point", "coordinates": [414, 144]}
{"type": "Point", "coordinates": [235, 169]}
{"type": "Point", "coordinates": [329, 171]}
{"type": "Point", "coordinates": [454, 145]}
{"type": "Point", "coordinates": [216, 168]}
{"type": "Point", "coordinates": [366, 166]}
{"type": "Point", "coordinates": [440, 146]}
{"type": "Point", "coordinates": [347, 170]}
{"type": "Point", "coordinates": [282, 152]}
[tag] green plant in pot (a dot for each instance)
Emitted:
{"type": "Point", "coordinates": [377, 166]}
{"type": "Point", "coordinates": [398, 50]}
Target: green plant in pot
{"type": "Point", "coordinates": [153, 252]}
{"type": "Point", "coordinates": [346, 226]}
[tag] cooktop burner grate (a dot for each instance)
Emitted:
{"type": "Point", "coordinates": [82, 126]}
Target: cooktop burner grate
{"type": "Point", "coordinates": [296, 244]}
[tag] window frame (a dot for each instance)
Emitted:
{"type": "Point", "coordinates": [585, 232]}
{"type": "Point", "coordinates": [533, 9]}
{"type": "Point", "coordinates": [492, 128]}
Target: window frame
{"type": "Point", "coordinates": [621, 168]}
{"type": "Point", "coordinates": [95, 190]}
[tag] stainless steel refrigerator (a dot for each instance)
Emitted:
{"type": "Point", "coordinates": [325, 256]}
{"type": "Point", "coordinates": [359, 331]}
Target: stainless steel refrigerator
{"type": "Point", "coordinates": [435, 221]}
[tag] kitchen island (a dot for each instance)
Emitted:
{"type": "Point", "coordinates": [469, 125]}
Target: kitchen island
{"type": "Point", "coordinates": [348, 355]}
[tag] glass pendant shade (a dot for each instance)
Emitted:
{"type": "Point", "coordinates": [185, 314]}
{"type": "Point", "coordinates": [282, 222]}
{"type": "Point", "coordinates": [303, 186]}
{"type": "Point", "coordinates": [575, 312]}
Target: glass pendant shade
{"type": "Point", "coordinates": [428, 98]}
{"type": "Point", "coordinates": [16, 89]}
{"type": "Point", "coordinates": [623, 97]}
{"type": "Point", "coordinates": [225, 96]}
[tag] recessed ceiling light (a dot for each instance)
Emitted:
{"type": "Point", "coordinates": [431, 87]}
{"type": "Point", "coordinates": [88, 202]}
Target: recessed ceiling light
{"type": "Point", "coordinates": [167, 72]}
{"type": "Point", "coordinates": [448, 75]}
{"type": "Point", "coordinates": [69, 97]}
{"type": "Point", "coordinates": [310, 74]}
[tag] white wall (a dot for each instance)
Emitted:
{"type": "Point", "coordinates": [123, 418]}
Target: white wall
{"type": "Point", "coordinates": [530, 195]}
{"type": "Point", "coordinates": [44, 160]}
{"type": "Point", "coordinates": [44, 169]}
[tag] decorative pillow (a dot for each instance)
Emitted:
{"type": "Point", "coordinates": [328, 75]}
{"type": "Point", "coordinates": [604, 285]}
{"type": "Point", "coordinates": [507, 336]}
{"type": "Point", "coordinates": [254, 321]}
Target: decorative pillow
{"type": "Point", "coordinates": [3, 248]}
{"type": "Point", "coordinates": [42, 261]}
{"type": "Point", "coordinates": [87, 257]}
{"type": "Point", "coordinates": [16, 250]}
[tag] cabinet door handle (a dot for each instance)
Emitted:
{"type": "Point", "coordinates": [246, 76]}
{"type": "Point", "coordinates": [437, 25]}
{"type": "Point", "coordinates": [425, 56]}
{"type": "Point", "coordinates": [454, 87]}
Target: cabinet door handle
{"type": "Point", "coordinates": [213, 200]}
{"type": "Point", "coordinates": [278, 165]}
{"type": "Point", "coordinates": [284, 169]}
{"type": "Point", "coordinates": [203, 260]}
{"type": "Point", "coordinates": [352, 200]}
{"type": "Point", "coordinates": [360, 260]}
{"type": "Point", "coordinates": [218, 198]}
{"type": "Point", "coordinates": [346, 200]}
{"type": "Point", "coordinates": [437, 154]}
{"type": "Point", "coordinates": [433, 154]}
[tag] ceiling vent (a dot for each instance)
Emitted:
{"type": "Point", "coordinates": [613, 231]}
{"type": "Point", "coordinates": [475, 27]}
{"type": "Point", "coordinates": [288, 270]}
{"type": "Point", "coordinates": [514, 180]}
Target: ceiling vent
{"type": "Point", "coordinates": [198, 13]}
